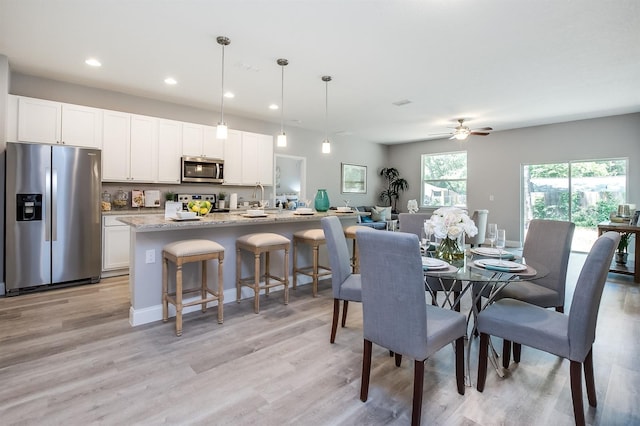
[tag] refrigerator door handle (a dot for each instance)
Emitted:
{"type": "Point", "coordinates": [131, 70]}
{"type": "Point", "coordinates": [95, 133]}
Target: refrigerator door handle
{"type": "Point", "coordinates": [47, 204]}
{"type": "Point", "coordinates": [54, 204]}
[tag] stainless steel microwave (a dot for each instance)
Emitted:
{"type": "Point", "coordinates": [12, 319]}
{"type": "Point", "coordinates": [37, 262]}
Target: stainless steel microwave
{"type": "Point", "coordinates": [202, 170]}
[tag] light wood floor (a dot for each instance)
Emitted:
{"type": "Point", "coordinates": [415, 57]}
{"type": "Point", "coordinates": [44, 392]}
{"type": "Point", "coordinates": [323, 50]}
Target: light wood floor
{"type": "Point", "coordinates": [70, 357]}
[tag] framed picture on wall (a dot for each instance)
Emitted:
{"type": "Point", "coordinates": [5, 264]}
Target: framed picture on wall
{"type": "Point", "coordinates": [354, 179]}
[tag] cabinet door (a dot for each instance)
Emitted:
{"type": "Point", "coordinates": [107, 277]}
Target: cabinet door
{"type": "Point", "coordinates": [250, 158]}
{"type": "Point", "coordinates": [12, 118]}
{"type": "Point", "coordinates": [116, 136]}
{"type": "Point", "coordinates": [144, 148]}
{"type": "Point", "coordinates": [81, 126]}
{"type": "Point", "coordinates": [212, 147]}
{"type": "Point", "coordinates": [39, 120]}
{"type": "Point", "coordinates": [192, 140]}
{"type": "Point", "coordinates": [115, 253]}
{"type": "Point", "coordinates": [233, 158]}
{"type": "Point", "coordinates": [265, 155]}
{"type": "Point", "coordinates": [169, 151]}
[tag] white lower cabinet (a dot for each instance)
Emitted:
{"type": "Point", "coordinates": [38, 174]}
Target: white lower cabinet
{"type": "Point", "coordinates": [115, 247]}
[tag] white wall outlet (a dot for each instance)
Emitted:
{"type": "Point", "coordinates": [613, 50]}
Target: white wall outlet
{"type": "Point", "coordinates": [150, 256]}
{"type": "Point", "coordinates": [490, 197]}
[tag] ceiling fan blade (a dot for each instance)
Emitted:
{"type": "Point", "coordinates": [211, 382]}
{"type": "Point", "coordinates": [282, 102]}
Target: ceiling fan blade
{"type": "Point", "coordinates": [440, 134]}
{"type": "Point", "coordinates": [482, 128]}
{"type": "Point", "coordinates": [479, 133]}
{"type": "Point", "coordinates": [452, 137]}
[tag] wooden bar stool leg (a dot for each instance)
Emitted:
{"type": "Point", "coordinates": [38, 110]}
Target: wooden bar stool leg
{"type": "Point", "coordinates": [295, 263]}
{"type": "Point", "coordinates": [286, 276]}
{"type": "Point", "coordinates": [238, 275]}
{"type": "Point", "coordinates": [315, 269]}
{"type": "Point", "coordinates": [203, 289]}
{"type": "Point", "coordinates": [220, 290]}
{"type": "Point", "coordinates": [267, 272]}
{"type": "Point", "coordinates": [165, 285]}
{"type": "Point", "coordinates": [179, 298]}
{"type": "Point", "coordinates": [256, 283]}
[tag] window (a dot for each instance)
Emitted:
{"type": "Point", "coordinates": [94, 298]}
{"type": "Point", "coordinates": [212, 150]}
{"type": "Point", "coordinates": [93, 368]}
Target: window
{"type": "Point", "coordinates": [444, 179]}
{"type": "Point", "coordinates": [583, 192]}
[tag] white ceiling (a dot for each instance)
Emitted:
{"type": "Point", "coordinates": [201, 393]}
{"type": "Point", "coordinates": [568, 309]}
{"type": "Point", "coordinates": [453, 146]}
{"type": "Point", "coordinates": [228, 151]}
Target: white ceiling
{"type": "Point", "coordinates": [499, 63]}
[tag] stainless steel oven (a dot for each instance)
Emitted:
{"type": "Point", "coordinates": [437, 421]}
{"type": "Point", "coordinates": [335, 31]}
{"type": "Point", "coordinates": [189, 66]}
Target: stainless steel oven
{"type": "Point", "coordinates": [202, 170]}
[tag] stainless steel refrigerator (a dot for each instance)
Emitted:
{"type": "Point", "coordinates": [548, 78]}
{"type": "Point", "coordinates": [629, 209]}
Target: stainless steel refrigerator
{"type": "Point", "coordinates": [52, 217]}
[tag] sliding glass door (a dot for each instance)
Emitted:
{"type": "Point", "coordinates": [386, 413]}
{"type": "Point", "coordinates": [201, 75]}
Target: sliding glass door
{"type": "Point", "coordinates": [583, 192]}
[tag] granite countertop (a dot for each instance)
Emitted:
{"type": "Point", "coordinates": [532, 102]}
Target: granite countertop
{"type": "Point", "coordinates": [157, 222]}
{"type": "Point", "coordinates": [134, 211]}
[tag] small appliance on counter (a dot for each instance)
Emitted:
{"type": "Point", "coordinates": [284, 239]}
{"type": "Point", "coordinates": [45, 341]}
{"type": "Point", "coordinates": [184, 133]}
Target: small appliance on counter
{"type": "Point", "coordinates": [152, 198]}
{"type": "Point", "coordinates": [186, 198]}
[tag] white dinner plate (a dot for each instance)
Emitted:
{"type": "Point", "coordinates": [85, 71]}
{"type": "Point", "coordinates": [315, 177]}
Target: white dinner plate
{"type": "Point", "coordinates": [511, 266]}
{"type": "Point", "coordinates": [491, 252]}
{"type": "Point", "coordinates": [186, 219]}
{"type": "Point", "coordinates": [303, 213]}
{"type": "Point", "coordinates": [253, 215]}
{"type": "Point", "coordinates": [434, 264]}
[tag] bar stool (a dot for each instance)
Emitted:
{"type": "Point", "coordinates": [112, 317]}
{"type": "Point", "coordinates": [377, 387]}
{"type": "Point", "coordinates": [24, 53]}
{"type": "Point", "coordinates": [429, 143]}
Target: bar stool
{"type": "Point", "coordinates": [350, 234]}
{"type": "Point", "coordinates": [257, 244]}
{"type": "Point", "coordinates": [186, 251]}
{"type": "Point", "coordinates": [315, 238]}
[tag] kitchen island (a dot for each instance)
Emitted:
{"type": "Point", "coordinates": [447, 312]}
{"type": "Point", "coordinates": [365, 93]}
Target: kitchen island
{"type": "Point", "coordinates": [149, 233]}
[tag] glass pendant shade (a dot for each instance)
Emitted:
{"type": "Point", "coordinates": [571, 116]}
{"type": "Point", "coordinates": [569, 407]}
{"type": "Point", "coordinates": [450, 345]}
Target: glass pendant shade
{"type": "Point", "coordinates": [282, 140]}
{"type": "Point", "coordinates": [326, 147]}
{"type": "Point", "coordinates": [221, 131]}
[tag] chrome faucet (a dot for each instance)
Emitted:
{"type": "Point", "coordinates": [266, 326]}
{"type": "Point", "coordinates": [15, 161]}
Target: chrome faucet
{"type": "Point", "coordinates": [260, 200]}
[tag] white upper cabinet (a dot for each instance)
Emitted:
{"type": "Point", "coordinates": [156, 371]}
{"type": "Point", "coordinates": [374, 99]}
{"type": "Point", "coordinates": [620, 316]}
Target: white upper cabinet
{"type": "Point", "coordinates": [116, 160]}
{"type": "Point", "coordinates": [248, 159]}
{"type": "Point", "coordinates": [201, 141]}
{"type": "Point", "coordinates": [144, 148]}
{"type": "Point", "coordinates": [170, 148]}
{"type": "Point", "coordinates": [51, 122]}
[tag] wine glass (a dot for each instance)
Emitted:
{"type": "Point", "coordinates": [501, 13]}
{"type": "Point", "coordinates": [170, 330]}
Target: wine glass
{"type": "Point", "coordinates": [492, 231]}
{"type": "Point", "coordinates": [501, 242]}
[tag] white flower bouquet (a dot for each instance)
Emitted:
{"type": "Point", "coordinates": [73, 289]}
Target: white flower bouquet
{"type": "Point", "coordinates": [449, 224]}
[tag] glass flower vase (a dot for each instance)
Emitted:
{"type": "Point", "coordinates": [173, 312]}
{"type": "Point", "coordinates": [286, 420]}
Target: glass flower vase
{"type": "Point", "coordinates": [321, 202]}
{"type": "Point", "coordinates": [451, 250]}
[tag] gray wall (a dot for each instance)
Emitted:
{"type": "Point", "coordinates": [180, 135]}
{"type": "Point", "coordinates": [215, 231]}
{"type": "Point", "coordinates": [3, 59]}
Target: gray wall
{"type": "Point", "coordinates": [494, 161]}
{"type": "Point", "coordinates": [323, 171]}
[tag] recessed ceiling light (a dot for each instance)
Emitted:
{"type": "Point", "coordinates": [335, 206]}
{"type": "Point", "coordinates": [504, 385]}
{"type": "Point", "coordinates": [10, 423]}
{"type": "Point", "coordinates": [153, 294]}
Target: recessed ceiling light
{"type": "Point", "coordinates": [229, 95]}
{"type": "Point", "coordinates": [273, 106]}
{"type": "Point", "coordinates": [170, 80]}
{"type": "Point", "coordinates": [93, 62]}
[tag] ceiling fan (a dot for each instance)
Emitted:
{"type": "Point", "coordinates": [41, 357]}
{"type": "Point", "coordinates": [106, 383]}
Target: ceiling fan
{"type": "Point", "coordinates": [462, 132]}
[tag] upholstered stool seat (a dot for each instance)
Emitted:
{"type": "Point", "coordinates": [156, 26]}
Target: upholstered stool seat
{"type": "Point", "coordinates": [186, 251]}
{"type": "Point", "coordinates": [350, 234]}
{"type": "Point", "coordinates": [315, 238]}
{"type": "Point", "coordinates": [264, 242]}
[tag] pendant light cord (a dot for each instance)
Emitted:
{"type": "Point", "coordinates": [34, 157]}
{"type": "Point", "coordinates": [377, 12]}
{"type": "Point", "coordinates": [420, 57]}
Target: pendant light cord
{"type": "Point", "coordinates": [282, 102]}
{"type": "Point", "coordinates": [326, 110]}
{"type": "Point", "coordinates": [222, 90]}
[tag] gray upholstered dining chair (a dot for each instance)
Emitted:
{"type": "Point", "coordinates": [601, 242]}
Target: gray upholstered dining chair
{"type": "Point", "coordinates": [568, 336]}
{"type": "Point", "coordinates": [395, 313]}
{"type": "Point", "coordinates": [345, 285]}
{"type": "Point", "coordinates": [548, 243]}
{"type": "Point", "coordinates": [413, 223]}
{"type": "Point", "coordinates": [479, 217]}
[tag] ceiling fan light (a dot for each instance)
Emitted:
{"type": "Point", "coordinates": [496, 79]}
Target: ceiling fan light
{"type": "Point", "coordinates": [221, 131]}
{"type": "Point", "coordinates": [326, 147]}
{"type": "Point", "coordinates": [461, 136]}
{"type": "Point", "coordinates": [282, 140]}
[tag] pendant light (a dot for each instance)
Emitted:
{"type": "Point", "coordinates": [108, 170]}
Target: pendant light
{"type": "Point", "coordinates": [221, 130]}
{"type": "Point", "coordinates": [326, 145]}
{"type": "Point", "coordinates": [282, 138]}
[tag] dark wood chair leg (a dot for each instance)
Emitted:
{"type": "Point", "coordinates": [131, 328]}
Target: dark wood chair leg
{"type": "Point", "coordinates": [460, 365]}
{"type": "Point", "coordinates": [506, 353]}
{"type": "Point", "coordinates": [517, 351]}
{"type": "Point", "coordinates": [398, 358]}
{"type": "Point", "coordinates": [482, 360]}
{"type": "Point", "coordinates": [345, 306]}
{"type": "Point", "coordinates": [588, 378]}
{"type": "Point", "coordinates": [366, 370]}
{"type": "Point", "coordinates": [575, 373]}
{"type": "Point", "coordinates": [334, 323]}
{"type": "Point", "coordinates": [418, 382]}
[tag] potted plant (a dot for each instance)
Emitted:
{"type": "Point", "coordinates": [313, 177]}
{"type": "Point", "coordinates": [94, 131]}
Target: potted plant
{"type": "Point", "coordinates": [395, 185]}
{"type": "Point", "coordinates": [222, 196]}
{"type": "Point", "coordinates": [170, 196]}
{"type": "Point", "coordinates": [621, 254]}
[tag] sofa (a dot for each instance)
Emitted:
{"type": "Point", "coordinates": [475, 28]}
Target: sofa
{"type": "Point", "coordinates": [375, 220]}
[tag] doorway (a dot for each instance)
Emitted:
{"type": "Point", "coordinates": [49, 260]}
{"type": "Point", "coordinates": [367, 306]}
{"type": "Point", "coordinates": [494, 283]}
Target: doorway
{"type": "Point", "coordinates": [290, 177]}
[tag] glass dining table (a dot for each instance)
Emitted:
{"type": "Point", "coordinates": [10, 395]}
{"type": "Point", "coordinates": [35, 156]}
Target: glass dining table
{"type": "Point", "coordinates": [482, 275]}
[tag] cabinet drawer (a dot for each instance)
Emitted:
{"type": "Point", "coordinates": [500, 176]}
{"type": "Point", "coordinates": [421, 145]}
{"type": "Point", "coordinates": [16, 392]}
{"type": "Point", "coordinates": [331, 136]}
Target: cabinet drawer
{"type": "Point", "coordinates": [112, 221]}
